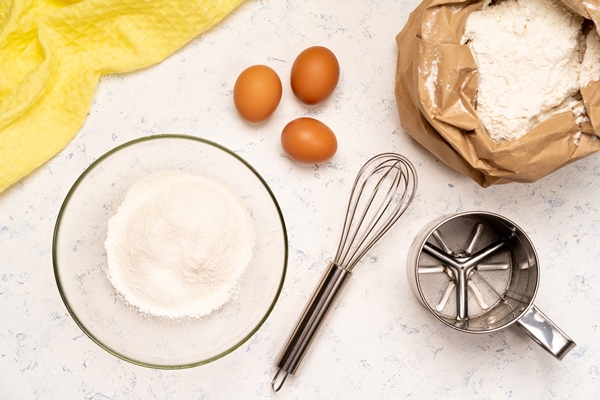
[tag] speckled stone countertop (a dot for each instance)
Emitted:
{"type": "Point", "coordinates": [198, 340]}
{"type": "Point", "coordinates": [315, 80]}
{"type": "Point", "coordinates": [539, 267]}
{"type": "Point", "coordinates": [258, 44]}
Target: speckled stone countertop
{"type": "Point", "coordinates": [379, 343]}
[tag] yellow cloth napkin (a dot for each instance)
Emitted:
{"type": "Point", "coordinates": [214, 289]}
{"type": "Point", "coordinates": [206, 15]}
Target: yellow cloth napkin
{"type": "Point", "coordinates": [53, 52]}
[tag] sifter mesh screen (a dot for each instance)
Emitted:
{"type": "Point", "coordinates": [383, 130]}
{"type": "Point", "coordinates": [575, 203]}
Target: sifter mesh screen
{"type": "Point", "coordinates": [487, 285]}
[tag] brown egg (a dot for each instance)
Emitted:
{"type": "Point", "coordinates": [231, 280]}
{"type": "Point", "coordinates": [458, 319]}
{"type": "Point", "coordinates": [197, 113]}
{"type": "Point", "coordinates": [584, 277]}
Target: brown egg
{"type": "Point", "coordinates": [315, 74]}
{"type": "Point", "coordinates": [309, 141]}
{"type": "Point", "coordinates": [257, 93]}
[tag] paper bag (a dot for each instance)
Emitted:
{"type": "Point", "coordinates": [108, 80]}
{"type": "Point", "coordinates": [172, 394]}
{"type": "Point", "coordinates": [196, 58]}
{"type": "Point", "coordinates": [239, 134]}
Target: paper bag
{"type": "Point", "coordinates": [440, 113]}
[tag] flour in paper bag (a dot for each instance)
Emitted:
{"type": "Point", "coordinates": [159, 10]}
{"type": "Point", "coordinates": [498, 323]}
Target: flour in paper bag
{"type": "Point", "coordinates": [531, 63]}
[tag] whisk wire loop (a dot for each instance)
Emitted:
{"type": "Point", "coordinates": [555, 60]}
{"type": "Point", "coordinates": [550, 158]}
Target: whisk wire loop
{"type": "Point", "coordinates": [355, 229]}
{"type": "Point", "coordinates": [383, 188]}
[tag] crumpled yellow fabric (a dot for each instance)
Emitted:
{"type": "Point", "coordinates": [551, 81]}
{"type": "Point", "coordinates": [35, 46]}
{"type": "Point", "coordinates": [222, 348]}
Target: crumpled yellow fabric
{"type": "Point", "coordinates": [53, 52]}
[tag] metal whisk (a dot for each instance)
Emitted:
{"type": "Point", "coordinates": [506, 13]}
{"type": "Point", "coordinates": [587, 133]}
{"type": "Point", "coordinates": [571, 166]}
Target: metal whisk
{"type": "Point", "coordinates": [383, 189]}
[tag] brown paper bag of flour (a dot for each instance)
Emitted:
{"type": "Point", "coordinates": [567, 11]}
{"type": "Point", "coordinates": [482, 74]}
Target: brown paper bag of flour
{"type": "Point", "coordinates": [438, 110]}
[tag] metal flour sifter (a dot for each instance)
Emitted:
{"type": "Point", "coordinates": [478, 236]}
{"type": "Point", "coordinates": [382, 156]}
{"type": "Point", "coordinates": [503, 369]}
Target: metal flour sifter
{"type": "Point", "coordinates": [478, 272]}
{"type": "Point", "coordinates": [382, 191]}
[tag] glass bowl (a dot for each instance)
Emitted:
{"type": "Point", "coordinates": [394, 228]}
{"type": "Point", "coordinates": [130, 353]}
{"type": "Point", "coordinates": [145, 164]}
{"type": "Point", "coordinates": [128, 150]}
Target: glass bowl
{"type": "Point", "coordinates": [79, 255]}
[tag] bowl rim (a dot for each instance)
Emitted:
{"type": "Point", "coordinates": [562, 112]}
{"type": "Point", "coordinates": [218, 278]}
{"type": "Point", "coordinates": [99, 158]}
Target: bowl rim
{"type": "Point", "coordinates": [82, 177]}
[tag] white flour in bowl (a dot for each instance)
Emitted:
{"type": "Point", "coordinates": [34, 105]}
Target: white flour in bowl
{"type": "Point", "coordinates": [531, 61]}
{"type": "Point", "coordinates": [178, 245]}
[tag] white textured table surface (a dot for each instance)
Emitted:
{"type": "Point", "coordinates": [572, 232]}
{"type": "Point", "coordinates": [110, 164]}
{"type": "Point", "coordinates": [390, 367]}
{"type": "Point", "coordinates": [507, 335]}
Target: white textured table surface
{"type": "Point", "coordinates": [379, 342]}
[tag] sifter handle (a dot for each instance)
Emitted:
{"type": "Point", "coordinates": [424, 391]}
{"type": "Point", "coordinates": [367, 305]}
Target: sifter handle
{"type": "Point", "coordinates": [323, 299]}
{"type": "Point", "coordinates": [545, 332]}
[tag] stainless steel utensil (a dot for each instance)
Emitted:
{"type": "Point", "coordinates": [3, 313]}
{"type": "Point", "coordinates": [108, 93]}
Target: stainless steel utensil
{"type": "Point", "coordinates": [383, 189]}
{"type": "Point", "coordinates": [492, 267]}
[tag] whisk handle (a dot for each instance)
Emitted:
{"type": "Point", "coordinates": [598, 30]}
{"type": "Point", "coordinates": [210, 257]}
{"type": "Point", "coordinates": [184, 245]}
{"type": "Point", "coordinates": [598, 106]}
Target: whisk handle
{"type": "Point", "coordinates": [322, 301]}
